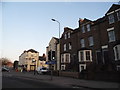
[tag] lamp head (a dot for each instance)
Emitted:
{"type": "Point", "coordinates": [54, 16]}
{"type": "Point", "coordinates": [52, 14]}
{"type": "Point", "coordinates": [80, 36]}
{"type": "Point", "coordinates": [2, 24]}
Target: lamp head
{"type": "Point", "coordinates": [53, 19]}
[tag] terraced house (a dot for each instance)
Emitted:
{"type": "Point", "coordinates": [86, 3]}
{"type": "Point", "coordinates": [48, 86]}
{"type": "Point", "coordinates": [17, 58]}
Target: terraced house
{"type": "Point", "coordinates": [94, 45]}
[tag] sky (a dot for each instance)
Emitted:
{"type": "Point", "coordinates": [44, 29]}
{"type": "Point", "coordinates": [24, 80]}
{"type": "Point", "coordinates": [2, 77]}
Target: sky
{"type": "Point", "coordinates": [28, 25]}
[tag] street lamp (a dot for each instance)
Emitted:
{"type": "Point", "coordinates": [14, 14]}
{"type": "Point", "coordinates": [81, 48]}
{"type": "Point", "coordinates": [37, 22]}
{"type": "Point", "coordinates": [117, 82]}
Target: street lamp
{"type": "Point", "coordinates": [59, 27]}
{"type": "Point", "coordinates": [59, 37]}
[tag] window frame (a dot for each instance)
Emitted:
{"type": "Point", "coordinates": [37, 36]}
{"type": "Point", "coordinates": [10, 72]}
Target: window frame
{"type": "Point", "coordinates": [68, 34]}
{"type": "Point", "coordinates": [88, 27]}
{"type": "Point", "coordinates": [65, 47]}
{"type": "Point", "coordinates": [111, 18]}
{"type": "Point", "coordinates": [91, 40]}
{"type": "Point", "coordinates": [111, 33]}
{"type": "Point", "coordinates": [84, 56]}
{"type": "Point", "coordinates": [116, 52]}
{"type": "Point", "coordinates": [80, 65]}
{"type": "Point", "coordinates": [82, 42]}
{"type": "Point", "coordinates": [83, 29]}
{"type": "Point", "coordinates": [118, 15]}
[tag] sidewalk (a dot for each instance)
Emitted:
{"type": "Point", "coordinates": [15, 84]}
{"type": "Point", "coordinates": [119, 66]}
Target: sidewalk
{"type": "Point", "coordinates": [67, 81]}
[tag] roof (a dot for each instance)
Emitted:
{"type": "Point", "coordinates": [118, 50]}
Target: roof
{"type": "Point", "coordinates": [41, 58]}
{"type": "Point", "coordinates": [32, 50]}
{"type": "Point", "coordinates": [113, 7]}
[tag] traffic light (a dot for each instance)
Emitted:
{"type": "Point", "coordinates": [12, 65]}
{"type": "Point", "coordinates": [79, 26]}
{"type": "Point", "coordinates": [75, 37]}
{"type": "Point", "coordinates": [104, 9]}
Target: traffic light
{"type": "Point", "coordinates": [49, 55]}
{"type": "Point", "coordinates": [53, 55]}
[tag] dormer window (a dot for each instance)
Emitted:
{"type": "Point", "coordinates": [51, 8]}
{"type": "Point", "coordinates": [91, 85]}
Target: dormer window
{"type": "Point", "coordinates": [111, 18]}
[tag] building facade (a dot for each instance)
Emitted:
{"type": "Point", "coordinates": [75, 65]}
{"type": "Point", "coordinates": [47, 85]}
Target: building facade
{"type": "Point", "coordinates": [94, 45]}
{"type": "Point", "coordinates": [52, 53]}
{"type": "Point", "coordinates": [29, 59]}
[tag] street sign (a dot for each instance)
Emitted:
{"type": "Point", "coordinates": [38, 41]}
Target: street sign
{"type": "Point", "coordinates": [51, 62]}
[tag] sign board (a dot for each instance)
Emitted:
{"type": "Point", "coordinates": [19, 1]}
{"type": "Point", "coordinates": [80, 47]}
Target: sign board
{"type": "Point", "coordinates": [51, 62]}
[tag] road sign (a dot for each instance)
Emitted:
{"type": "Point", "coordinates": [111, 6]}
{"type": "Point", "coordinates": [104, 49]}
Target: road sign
{"type": "Point", "coordinates": [51, 62]}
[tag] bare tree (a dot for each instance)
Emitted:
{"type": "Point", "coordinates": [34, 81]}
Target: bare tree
{"type": "Point", "coordinates": [4, 61]}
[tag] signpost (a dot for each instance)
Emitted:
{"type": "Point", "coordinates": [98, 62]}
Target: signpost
{"type": "Point", "coordinates": [50, 63]}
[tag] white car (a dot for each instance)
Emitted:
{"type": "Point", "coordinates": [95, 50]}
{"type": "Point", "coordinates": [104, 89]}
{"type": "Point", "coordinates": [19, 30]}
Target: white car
{"type": "Point", "coordinates": [42, 70]}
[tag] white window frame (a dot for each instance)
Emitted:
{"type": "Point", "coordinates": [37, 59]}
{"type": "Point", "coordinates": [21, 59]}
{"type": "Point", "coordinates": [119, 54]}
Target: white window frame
{"type": "Point", "coordinates": [88, 27]}
{"type": "Point", "coordinates": [62, 66]}
{"type": "Point", "coordinates": [91, 41]}
{"type": "Point", "coordinates": [65, 46]}
{"type": "Point", "coordinates": [68, 34]}
{"type": "Point", "coordinates": [82, 42]}
{"type": "Point", "coordinates": [80, 65]}
{"type": "Point", "coordinates": [84, 56]}
{"type": "Point", "coordinates": [111, 18]}
{"type": "Point", "coordinates": [115, 52]}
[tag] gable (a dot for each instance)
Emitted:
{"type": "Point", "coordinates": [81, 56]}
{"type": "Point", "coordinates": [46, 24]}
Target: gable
{"type": "Point", "coordinates": [113, 8]}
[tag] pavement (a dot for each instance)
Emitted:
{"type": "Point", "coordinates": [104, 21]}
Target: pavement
{"type": "Point", "coordinates": [67, 82]}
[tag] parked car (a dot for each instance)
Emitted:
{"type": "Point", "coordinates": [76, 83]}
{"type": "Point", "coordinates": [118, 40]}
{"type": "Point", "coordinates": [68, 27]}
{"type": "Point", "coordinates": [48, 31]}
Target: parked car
{"type": "Point", "coordinates": [42, 70]}
{"type": "Point", "coordinates": [4, 69]}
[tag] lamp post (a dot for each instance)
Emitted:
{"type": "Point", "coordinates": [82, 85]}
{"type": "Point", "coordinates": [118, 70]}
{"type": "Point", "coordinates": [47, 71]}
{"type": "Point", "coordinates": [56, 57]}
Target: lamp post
{"type": "Point", "coordinates": [59, 38]}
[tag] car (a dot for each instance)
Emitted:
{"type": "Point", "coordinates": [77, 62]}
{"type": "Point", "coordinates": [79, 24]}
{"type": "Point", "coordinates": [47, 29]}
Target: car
{"type": "Point", "coordinates": [42, 70]}
{"type": "Point", "coordinates": [4, 69]}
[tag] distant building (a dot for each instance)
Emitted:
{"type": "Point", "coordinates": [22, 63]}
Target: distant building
{"type": "Point", "coordinates": [42, 61]}
{"type": "Point", "coordinates": [29, 59]}
{"type": "Point", "coordinates": [15, 65]}
{"type": "Point", "coordinates": [53, 53]}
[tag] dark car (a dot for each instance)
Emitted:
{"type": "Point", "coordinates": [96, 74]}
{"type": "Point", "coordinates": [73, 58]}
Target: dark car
{"type": "Point", "coordinates": [4, 69]}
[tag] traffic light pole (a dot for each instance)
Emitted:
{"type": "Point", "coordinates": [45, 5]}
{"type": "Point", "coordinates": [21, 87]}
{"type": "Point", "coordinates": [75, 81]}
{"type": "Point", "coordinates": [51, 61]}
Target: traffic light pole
{"type": "Point", "coordinates": [51, 60]}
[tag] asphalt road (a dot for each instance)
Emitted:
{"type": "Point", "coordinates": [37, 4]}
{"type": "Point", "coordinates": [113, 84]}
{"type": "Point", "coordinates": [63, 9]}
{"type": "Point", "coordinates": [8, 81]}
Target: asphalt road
{"type": "Point", "coordinates": [13, 82]}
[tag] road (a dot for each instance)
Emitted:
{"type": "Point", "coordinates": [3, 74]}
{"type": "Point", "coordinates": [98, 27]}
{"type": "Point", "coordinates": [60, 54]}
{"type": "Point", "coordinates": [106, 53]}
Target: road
{"type": "Point", "coordinates": [13, 82]}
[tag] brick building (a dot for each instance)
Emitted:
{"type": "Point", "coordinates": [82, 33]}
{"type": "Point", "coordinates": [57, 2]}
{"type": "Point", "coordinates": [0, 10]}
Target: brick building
{"type": "Point", "coordinates": [94, 45]}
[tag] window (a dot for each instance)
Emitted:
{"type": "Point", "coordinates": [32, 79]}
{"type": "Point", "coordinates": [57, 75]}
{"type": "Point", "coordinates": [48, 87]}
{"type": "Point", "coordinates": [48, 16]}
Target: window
{"type": "Point", "coordinates": [82, 67]}
{"type": "Point", "coordinates": [69, 35]}
{"type": "Point", "coordinates": [118, 67]}
{"type": "Point", "coordinates": [88, 27]}
{"type": "Point", "coordinates": [62, 58]}
{"type": "Point", "coordinates": [70, 46]}
{"type": "Point", "coordinates": [111, 36]}
{"type": "Point", "coordinates": [67, 58]}
{"type": "Point", "coordinates": [64, 47]}
{"type": "Point", "coordinates": [85, 55]}
{"type": "Point", "coordinates": [65, 36]}
{"type": "Point", "coordinates": [118, 15]}
{"type": "Point", "coordinates": [111, 18]}
{"type": "Point", "coordinates": [82, 42]}
{"type": "Point", "coordinates": [83, 29]}
{"type": "Point", "coordinates": [117, 52]}
{"type": "Point", "coordinates": [91, 43]}
{"type": "Point", "coordinates": [81, 56]}
{"type": "Point", "coordinates": [62, 67]}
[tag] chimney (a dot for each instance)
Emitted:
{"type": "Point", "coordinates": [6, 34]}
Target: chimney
{"type": "Point", "coordinates": [80, 21]}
